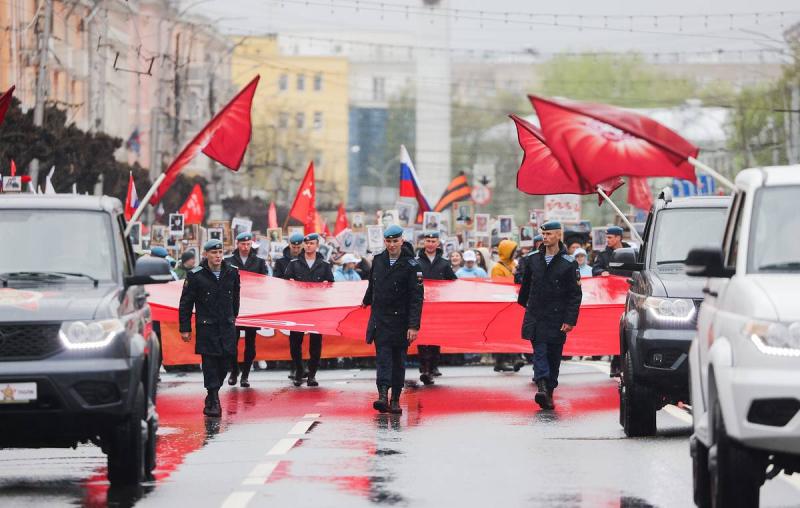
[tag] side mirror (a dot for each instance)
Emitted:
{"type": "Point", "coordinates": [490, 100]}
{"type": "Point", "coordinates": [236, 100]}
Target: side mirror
{"type": "Point", "coordinates": [150, 270]}
{"type": "Point", "coordinates": [624, 260]}
{"type": "Point", "coordinates": [707, 262]}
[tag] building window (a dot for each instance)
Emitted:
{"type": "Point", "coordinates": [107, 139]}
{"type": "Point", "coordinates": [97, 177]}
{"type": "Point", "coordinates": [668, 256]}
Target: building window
{"type": "Point", "coordinates": [301, 82]}
{"type": "Point", "coordinates": [300, 120]}
{"type": "Point", "coordinates": [378, 89]}
{"type": "Point", "coordinates": [283, 120]}
{"type": "Point", "coordinates": [283, 82]}
{"type": "Point", "coordinates": [317, 120]}
{"type": "Point", "coordinates": [317, 82]}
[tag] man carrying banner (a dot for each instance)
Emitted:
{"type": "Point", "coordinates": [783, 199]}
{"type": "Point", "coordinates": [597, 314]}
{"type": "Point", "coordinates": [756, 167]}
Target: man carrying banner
{"type": "Point", "coordinates": [309, 266]}
{"type": "Point", "coordinates": [212, 290]}
{"type": "Point", "coordinates": [395, 294]}
{"type": "Point", "coordinates": [434, 267]}
{"type": "Point", "coordinates": [291, 251]}
{"type": "Point", "coordinates": [551, 294]}
{"type": "Point", "coordinates": [245, 259]}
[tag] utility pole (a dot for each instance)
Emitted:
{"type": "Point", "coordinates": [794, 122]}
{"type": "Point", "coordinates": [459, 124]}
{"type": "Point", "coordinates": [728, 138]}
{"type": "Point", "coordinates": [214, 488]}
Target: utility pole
{"type": "Point", "coordinates": [42, 79]}
{"type": "Point", "coordinates": [176, 134]}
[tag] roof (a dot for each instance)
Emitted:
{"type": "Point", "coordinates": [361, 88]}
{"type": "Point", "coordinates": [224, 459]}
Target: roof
{"type": "Point", "coordinates": [700, 202]}
{"type": "Point", "coordinates": [60, 202]}
{"type": "Point", "coordinates": [768, 176]}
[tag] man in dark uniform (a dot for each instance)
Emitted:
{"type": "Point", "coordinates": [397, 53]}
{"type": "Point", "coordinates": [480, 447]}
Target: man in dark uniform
{"type": "Point", "coordinates": [245, 259]}
{"type": "Point", "coordinates": [395, 293]}
{"type": "Point", "coordinates": [309, 266]}
{"type": "Point", "coordinates": [434, 267]}
{"type": "Point", "coordinates": [551, 294]}
{"type": "Point", "coordinates": [212, 290]}
{"type": "Point", "coordinates": [613, 242]}
{"type": "Point", "coordinates": [291, 251]}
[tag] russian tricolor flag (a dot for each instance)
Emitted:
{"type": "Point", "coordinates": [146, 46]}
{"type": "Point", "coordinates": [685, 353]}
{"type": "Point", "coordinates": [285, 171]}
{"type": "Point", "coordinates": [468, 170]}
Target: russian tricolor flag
{"type": "Point", "coordinates": [409, 183]}
{"type": "Point", "coordinates": [131, 199]}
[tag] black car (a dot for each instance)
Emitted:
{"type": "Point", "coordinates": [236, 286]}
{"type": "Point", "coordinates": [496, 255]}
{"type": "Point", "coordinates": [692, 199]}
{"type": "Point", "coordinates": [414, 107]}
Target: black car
{"type": "Point", "coordinates": [78, 356]}
{"type": "Point", "coordinates": [660, 316]}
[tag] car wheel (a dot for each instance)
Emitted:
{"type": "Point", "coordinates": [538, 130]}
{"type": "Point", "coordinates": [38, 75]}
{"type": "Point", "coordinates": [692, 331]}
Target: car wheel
{"type": "Point", "coordinates": [700, 476]}
{"type": "Point", "coordinates": [128, 444]}
{"type": "Point", "coordinates": [150, 449]}
{"type": "Point", "coordinates": [637, 404]}
{"type": "Point", "coordinates": [736, 472]}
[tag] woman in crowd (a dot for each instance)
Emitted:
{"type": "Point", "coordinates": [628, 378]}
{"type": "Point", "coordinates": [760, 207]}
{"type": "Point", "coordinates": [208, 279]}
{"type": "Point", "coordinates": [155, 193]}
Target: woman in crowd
{"type": "Point", "coordinates": [471, 270]}
{"type": "Point", "coordinates": [581, 258]}
{"type": "Point", "coordinates": [456, 260]}
{"type": "Point", "coordinates": [347, 271]}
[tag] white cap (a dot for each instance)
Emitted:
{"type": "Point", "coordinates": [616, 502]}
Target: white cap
{"type": "Point", "coordinates": [349, 258]}
{"type": "Point", "coordinates": [578, 252]}
{"type": "Point", "coordinates": [469, 255]}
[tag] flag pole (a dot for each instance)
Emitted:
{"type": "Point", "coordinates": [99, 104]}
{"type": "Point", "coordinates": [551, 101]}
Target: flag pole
{"type": "Point", "coordinates": [140, 209]}
{"type": "Point", "coordinates": [711, 171]}
{"type": "Point", "coordinates": [622, 216]}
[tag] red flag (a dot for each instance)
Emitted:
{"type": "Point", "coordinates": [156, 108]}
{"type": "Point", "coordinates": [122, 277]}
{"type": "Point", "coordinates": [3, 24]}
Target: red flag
{"type": "Point", "coordinates": [304, 206]}
{"type": "Point", "coordinates": [541, 172]}
{"type": "Point", "coordinates": [131, 199]}
{"type": "Point", "coordinates": [603, 142]}
{"type": "Point", "coordinates": [13, 168]}
{"type": "Point", "coordinates": [272, 216]}
{"type": "Point", "coordinates": [224, 139]}
{"type": "Point", "coordinates": [319, 226]}
{"type": "Point", "coordinates": [639, 194]}
{"type": "Point", "coordinates": [5, 102]}
{"type": "Point", "coordinates": [194, 209]}
{"type": "Point", "coordinates": [341, 221]}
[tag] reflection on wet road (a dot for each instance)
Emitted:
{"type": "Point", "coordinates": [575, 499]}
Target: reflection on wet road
{"type": "Point", "coordinates": [474, 439]}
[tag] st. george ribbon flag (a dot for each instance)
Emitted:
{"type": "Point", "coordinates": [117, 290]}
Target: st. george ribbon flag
{"type": "Point", "coordinates": [604, 142]}
{"type": "Point", "coordinates": [461, 315]}
{"type": "Point", "coordinates": [5, 102]}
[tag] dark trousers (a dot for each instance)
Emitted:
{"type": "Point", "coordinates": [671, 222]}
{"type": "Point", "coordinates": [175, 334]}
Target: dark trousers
{"type": "Point", "coordinates": [215, 367]}
{"type": "Point", "coordinates": [296, 349]}
{"type": "Point", "coordinates": [390, 361]}
{"type": "Point", "coordinates": [429, 357]}
{"type": "Point", "coordinates": [157, 330]}
{"type": "Point", "coordinates": [547, 362]}
{"type": "Point", "coordinates": [249, 352]}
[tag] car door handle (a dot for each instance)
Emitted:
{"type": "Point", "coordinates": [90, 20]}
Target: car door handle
{"type": "Point", "coordinates": [710, 292]}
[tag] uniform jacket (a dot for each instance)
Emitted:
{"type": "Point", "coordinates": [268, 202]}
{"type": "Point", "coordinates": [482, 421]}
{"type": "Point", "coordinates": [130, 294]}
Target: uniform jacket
{"type": "Point", "coordinates": [551, 295]}
{"type": "Point", "coordinates": [216, 306]}
{"type": "Point", "coordinates": [506, 266]}
{"type": "Point", "coordinates": [438, 269]}
{"type": "Point", "coordinates": [279, 270]}
{"type": "Point", "coordinates": [395, 294]}
{"type": "Point", "coordinates": [298, 270]}
{"type": "Point", "coordinates": [253, 263]}
{"type": "Point", "coordinates": [603, 260]}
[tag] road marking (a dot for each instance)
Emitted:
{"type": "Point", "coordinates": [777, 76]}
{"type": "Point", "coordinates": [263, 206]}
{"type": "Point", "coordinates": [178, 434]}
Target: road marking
{"type": "Point", "coordinates": [283, 446]}
{"type": "Point", "coordinates": [311, 415]}
{"type": "Point", "coordinates": [678, 413]}
{"type": "Point", "coordinates": [238, 499]}
{"type": "Point", "coordinates": [260, 474]}
{"type": "Point", "coordinates": [301, 427]}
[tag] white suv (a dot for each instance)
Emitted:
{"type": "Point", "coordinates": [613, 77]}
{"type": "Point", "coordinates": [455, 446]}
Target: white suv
{"type": "Point", "coordinates": [744, 362]}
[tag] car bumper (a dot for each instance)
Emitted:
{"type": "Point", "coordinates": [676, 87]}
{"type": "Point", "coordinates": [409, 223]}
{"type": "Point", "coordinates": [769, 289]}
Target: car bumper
{"type": "Point", "coordinates": [75, 400]}
{"type": "Point", "coordinates": [662, 357]}
{"type": "Point", "coordinates": [749, 397]}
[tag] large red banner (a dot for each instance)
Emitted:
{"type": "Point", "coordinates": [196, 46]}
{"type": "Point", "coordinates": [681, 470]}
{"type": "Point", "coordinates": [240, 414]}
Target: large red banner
{"type": "Point", "coordinates": [461, 316]}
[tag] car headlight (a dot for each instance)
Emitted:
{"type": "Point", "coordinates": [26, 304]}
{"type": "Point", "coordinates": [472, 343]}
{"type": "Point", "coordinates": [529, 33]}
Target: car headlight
{"type": "Point", "coordinates": [670, 309]}
{"type": "Point", "coordinates": [774, 338]}
{"type": "Point", "coordinates": [89, 334]}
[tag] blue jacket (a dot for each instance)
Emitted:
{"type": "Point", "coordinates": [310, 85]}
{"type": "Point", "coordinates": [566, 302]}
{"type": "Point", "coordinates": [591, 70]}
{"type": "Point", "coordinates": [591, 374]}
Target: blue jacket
{"type": "Point", "coordinates": [475, 273]}
{"type": "Point", "coordinates": [340, 275]}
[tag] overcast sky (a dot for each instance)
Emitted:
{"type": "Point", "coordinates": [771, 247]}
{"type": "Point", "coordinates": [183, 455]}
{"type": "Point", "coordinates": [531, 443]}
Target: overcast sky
{"type": "Point", "coordinates": [531, 23]}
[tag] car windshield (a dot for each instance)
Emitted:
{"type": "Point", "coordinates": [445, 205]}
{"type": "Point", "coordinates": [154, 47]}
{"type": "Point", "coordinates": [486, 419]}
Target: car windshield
{"type": "Point", "coordinates": [775, 231]}
{"type": "Point", "coordinates": [55, 245]}
{"type": "Point", "coordinates": [679, 230]}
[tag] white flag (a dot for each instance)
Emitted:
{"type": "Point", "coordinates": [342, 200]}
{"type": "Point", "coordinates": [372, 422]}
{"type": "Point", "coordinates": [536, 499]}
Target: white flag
{"type": "Point", "coordinates": [48, 184]}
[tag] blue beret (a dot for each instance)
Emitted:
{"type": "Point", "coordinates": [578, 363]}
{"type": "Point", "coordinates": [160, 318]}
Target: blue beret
{"type": "Point", "coordinates": [538, 238]}
{"type": "Point", "coordinates": [243, 237]}
{"type": "Point", "coordinates": [310, 237]}
{"type": "Point", "coordinates": [393, 231]}
{"type": "Point", "coordinates": [159, 252]}
{"type": "Point", "coordinates": [296, 238]}
{"type": "Point", "coordinates": [551, 225]}
{"type": "Point", "coordinates": [614, 230]}
{"type": "Point", "coordinates": [212, 245]}
{"type": "Point", "coordinates": [431, 234]}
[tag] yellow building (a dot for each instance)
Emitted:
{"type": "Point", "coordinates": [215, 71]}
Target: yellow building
{"type": "Point", "coordinates": [300, 113]}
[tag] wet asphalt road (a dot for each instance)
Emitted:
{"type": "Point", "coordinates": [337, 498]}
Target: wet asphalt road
{"type": "Point", "coordinates": [475, 439]}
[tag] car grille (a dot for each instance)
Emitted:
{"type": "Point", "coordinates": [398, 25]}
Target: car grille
{"type": "Point", "coordinates": [29, 342]}
{"type": "Point", "coordinates": [664, 358]}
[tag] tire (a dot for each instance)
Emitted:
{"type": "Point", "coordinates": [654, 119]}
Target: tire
{"type": "Point", "coordinates": [637, 404]}
{"type": "Point", "coordinates": [736, 472]}
{"type": "Point", "coordinates": [700, 477]}
{"type": "Point", "coordinates": [127, 445]}
{"type": "Point", "coordinates": [150, 449]}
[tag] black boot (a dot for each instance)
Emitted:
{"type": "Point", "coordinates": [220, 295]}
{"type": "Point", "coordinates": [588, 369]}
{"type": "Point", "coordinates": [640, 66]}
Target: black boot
{"type": "Point", "coordinates": [213, 407]}
{"type": "Point", "coordinates": [542, 396]}
{"type": "Point", "coordinates": [394, 405]}
{"type": "Point", "coordinates": [312, 379]}
{"type": "Point", "coordinates": [518, 364]}
{"type": "Point", "coordinates": [244, 381]}
{"type": "Point", "coordinates": [232, 378]}
{"type": "Point", "coordinates": [435, 372]}
{"type": "Point", "coordinates": [502, 366]}
{"type": "Point", "coordinates": [426, 378]}
{"type": "Point", "coordinates": [382, 404]}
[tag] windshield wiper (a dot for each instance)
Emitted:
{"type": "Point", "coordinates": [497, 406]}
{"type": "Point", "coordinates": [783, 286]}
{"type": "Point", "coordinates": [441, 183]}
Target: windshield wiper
{"type": "Point", "coordinates": [671, 262]}
{"type": "Point", "coordinates": [781, 266]}
{"type": "Point", "coordinates": [39, 275]}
